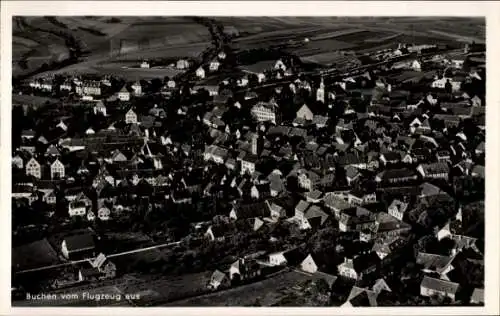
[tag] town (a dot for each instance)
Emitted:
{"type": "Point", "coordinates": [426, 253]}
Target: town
{"type": "Point", "coordinates": [254, 178]}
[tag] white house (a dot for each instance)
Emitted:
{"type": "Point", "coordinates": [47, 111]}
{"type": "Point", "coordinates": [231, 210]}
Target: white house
{"type": "Point", "coordinates": [305, 113]}
{"type": "Point", "coordinates": [346, 269]}
{"type": "Point", "coordinates": [77, 208]}
{"type": "Point", "coordinates": [309, 265]}
{"type": "Point", "coordinates": [145, 64]}
{"type": "Point", "coordinates": [182, 64]}
{"type": "Point", "coordinates": [131, 117]}
{"type": "Point", "coordinates": [214, 65]}
{"type": "Point", "coordinates": [57, 170]}
{"type": "Point", "coordinates": [200, 73]}
{"type": "Point", "coordinates": [397, 209]}
{"type": "Point", "coordinates": [416, 65]}
{"type": "Point", "coordinates": [137, 87]}
{"type": "Point", "coordinates": [277, 259]}
{"type": "Point", "coordinates": [123, 94]}
{"type": "Point", "coordinates": [33, 168]}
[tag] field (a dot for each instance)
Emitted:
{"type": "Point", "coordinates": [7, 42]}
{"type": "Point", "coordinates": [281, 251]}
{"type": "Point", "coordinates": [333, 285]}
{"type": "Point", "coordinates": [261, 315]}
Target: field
{"type": "Point", "coordinates": [156, 290]}
{"type": "Point", "coordinates": [39, 40]}
{"type": "Point", "coordinates": [37, 254]}
{"type": "Point", "coordinates": [266, 292]}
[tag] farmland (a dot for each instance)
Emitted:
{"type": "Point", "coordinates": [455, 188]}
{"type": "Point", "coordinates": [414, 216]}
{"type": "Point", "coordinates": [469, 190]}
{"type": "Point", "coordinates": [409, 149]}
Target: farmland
{"type": "Point", "coordinates": [266, 292]}
{"type": "Point", "coordinates": [37, 254]}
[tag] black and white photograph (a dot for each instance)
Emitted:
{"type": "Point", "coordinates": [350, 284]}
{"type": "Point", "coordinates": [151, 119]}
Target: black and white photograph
{"type": "Point", "coordinates": [248, 161]}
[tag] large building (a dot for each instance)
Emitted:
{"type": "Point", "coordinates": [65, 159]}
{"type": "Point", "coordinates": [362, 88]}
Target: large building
{"type": "Point", "coordinates": [265, 112]}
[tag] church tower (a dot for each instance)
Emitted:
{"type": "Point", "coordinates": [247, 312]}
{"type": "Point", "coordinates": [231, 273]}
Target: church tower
{"type": "Point", "coordinates": [320, 93]}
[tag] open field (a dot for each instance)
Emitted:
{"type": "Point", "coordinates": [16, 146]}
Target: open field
{"type": "Point", "coordinates": [155, 290]}
{"type": "Point", "coordinates": [36, 254]}
{"type": "Point", "coordinates": [266, 291]}
{"type": "Point", "coordinates": [39, 40]}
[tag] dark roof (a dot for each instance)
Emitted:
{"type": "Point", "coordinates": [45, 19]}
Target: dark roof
{"type": "Point", "coordinates": [79, 242]}
{"type": "Point", "coordinates": [364, 262]}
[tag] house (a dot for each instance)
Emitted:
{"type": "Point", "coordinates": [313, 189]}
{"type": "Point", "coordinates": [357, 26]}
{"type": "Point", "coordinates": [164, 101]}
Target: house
{"type": "Point", "coordinates": [214, 65]}
{"type": "Point", "coordinates": [244, 269]}
{"type": "Point", "coordinates": [352, 174]}
{"type": "Point", "coordinates": [275, 210]}
{"type": "Point", "coordinates": [431, 286]}
{"type": "Point", "coordinates": [394, 176]}
{"type": "Point", "coordinates": [33, 168]}
{"type": "Point", "coordinates": [265, 112]}
{"type": "Point", "coordinates": [314, 217]}
{"type": "Point", "coordinates": [124, 94]}
{"type": "Point", "coordinates": [218, 280]}
{"type": "Point", "coordinates": [433, 263]}
{"type": "Point", "coordinates": [215, 153]}
{"type": "Point", "coordinates": [145, 64]}
{"type": "Point", "coordinates": [335, 203]}
{"type": "Point", "coordinates": [130, 117]}
{"type": "Point", "coordinates": [216, 233]}
{"type": "Point", "coordinates": [359, 267]}
{"type": "Point", "coordinates": [104, 266]}
{"type": "Point", "coordinates": [358, 197]}
{"type": "Point", "coordinates": [182, 64]}
{"type": "Point", "coordinates": [57, 170]}
{"type": "Point", "coordinates": [357, 218]}
{"type": "Point", "coordinates": [477, 171]}
{"type": "Point", "coordinates": [200, 73]}
{"type": "Point", "coordinates": [390, 157]}
{"type": "Point", "coordinates": [480, 149]}
{"type": "Point", "coordinates": [252, 210]}
{"type": "Point", "coordinates": [77, 208]}
{"type": "Point", "coordinates": [308, 179]}
{"type": "Point", "coordinates": [361, 297]}
{"type": "Point", "coordinates": [477, 296]}
{"type": "Point", "coordinates": [398, 209]}
{"type": "Point", "coordinates": [437, 170]}
{"type": "Point", "coordinates": [248, 164]}
{"type": "Point", "coordinates": [137, 88]}
{"type": "Point", "coordinates": [305, 113]}
{"type": "Point", "coordinates": [81, 245]}
{"type": "Point", "coordinates": [308, 265]}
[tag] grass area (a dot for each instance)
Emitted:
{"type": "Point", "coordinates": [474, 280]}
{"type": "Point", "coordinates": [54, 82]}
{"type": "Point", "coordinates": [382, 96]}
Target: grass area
{"type": "Point", "coordinates": [160, 289]}
{"type": "Point", "coordinates": [266, 292]}
{"type": "Point", "coordinates": [34, 255]}
{"type": "Point", "coordinates": [32, 100]}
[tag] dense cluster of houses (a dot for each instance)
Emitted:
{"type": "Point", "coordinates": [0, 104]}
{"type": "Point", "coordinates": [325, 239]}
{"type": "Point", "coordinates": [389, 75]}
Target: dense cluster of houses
{"type": "Point", "coordinates": [405, 141]}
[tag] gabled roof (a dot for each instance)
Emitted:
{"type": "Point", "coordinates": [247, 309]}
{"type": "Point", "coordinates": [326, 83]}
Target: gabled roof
{"type": "Point", "coordinates": [439, 285]}
{"type": "Point", "coordinates": [79, 242]}
{"type": "Point", "coordinates": [302, 206]}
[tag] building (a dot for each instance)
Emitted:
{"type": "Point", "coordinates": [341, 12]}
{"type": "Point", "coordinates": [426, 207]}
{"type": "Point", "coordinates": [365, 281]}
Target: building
{"type": "Point", "coordinates": [124, 94]}
{"type": "Point", "coordinates": [57, 170]}
{"type": "Point", "coordinates": [200, 73]}
{"type": "Point", "coordinates": [431, 287]}
{"type": "Point", "coordinates": [265, 112]}
{"type": "Point", "coordinates": [182, 64]}
{"type": "Point", "coordinates": [131, 117]}
{"type": "Point", "coordinates": [137, 88]}
{"type": "Point", "coordinates": [78, 246]}
{"type": "Point", "coordinates": [33, 168]}
{"type": "Point", "coordinates": [218, 280]}
{"type": "Point", "coordinates": [248, 164]}
{"type": "Point", "coordinates": [305, 113]}
{"type": "Point", "coordinates": [145, 64]}
{"type": "Point", "coordinates": [397, 209]}
{"type": "Point", "coordinates": [438, 170]}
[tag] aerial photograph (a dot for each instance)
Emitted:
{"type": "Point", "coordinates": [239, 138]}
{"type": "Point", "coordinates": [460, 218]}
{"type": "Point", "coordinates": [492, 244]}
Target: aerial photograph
{"type": "Point", "coordinates": [185, 161]}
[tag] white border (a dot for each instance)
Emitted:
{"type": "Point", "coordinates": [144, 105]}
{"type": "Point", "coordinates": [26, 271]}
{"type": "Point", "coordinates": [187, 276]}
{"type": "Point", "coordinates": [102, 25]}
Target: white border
{"type": "Point", "coordinates": [490, 10]}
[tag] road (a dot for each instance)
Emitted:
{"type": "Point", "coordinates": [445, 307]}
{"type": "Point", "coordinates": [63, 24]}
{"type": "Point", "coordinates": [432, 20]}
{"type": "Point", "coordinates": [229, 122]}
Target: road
{"type": "Point", "coordinates": [109, 256]}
